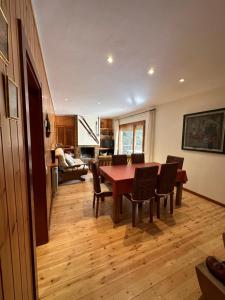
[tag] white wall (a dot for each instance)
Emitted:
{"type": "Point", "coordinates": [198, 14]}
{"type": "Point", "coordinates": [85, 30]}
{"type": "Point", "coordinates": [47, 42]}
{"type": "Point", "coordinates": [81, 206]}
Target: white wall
{"type": "Point", "coordinates": [84, 139]}
{"type": "Point", "coordinates": [206, 171]}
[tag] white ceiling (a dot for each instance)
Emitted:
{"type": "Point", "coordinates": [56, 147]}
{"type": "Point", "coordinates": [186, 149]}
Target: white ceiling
{"type": "Point", "coordinates": [179, 38]}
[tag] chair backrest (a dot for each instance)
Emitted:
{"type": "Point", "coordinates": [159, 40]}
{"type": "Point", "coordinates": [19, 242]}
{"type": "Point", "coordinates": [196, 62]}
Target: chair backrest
{"type": "Point", "coordinates": [96, 177]}
{"type": "Point", "coordinates": [175, 159]}
{"type": "Point", "coordinates": [137, 158]}
{"type": "Point", "coordinates": [120, 159]}
{"type": "Point", "coordinates": [167, 178]}
{"type": "Point", "coordinates": [145, 181]}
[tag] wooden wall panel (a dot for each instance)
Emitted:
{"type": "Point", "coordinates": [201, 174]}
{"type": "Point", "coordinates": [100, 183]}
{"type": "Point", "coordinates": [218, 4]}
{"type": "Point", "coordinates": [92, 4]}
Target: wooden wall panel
{"type": "Point", "coordinates": [1, 284]}
{"type": "Point", "coordinates": [11, 202]}
{"type": "Point", "coordinates": [6, 270]}
{"type": "Point", "coordinates": [15, 242]}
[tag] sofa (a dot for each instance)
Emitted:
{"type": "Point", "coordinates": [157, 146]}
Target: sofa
{"type": "Point", "coordinates": [70, 168]}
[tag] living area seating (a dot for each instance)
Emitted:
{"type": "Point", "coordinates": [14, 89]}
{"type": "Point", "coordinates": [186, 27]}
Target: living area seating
{"type": "Point", "coordinates": [144, 184]}
{"type": "Point", "coordinates": [69, 167]}
{"type": "Point", "coordinates": [101, 190]}
{"type": "Point", "coordinates": [165, 185]}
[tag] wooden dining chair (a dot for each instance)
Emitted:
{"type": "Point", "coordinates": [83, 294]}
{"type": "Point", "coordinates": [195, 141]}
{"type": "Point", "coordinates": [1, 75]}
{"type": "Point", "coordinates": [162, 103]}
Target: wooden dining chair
{"type": "Point", "coordinates": [137, 158]}
{"type": "Point", "coordinates": [119, 159]}
{"type": "Point", "coordinates": [144, 185]}
{"type": "Point", "coordinates": [175, 159]}
{"type": "Point", "coordinates": [101, 190]}
{"type": "Point", "coordinates": [165, 185]}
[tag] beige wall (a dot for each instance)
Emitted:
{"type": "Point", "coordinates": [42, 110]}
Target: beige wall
{"type": "Point", "coordinates": [206, 171]}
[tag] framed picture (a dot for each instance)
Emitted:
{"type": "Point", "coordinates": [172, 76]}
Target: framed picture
{"type": "Point", "coordinates": [4, 45]}
{"type": "Point", "coordinates": [11, 98]}
{"type": "Point", "coordinates": [204, 131]}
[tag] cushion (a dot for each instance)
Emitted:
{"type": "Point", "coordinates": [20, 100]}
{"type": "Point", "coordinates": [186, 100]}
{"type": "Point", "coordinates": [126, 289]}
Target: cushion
{"type": "Point", "coordinates": [69, 160]}
{"type": "Point", "coordinates": [62, 161]}
{"type": "Point", "coordinates": [59, 152]}
{"type": "Point", "coordinates": [78, 161]}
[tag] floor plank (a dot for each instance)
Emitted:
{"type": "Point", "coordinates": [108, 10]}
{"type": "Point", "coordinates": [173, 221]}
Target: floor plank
{"type": "Point", "coordinates": [90, 258]}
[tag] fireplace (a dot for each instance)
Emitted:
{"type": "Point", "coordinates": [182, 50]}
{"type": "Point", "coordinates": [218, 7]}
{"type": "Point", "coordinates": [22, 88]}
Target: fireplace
{"type": "Point", "coordinates": [87, 152]}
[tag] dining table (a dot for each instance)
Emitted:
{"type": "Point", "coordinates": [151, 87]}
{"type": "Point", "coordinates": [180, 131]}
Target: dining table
{"type": "Point", "coordinates": [121, 177]}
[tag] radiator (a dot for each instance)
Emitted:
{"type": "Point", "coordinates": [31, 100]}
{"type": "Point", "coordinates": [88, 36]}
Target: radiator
{"type": "Point", "coordinates": [54, 180]}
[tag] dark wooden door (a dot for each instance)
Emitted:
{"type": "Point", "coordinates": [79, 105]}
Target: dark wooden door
{"type": "Point", "coordinates": [65, 135]}
{"type": "Point", "coordinates": [69, 136]}
{"type": "Point", "coordinates": [60, 135]}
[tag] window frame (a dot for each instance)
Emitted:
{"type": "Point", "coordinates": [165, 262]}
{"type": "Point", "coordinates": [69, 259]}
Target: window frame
{"type": "Point", "coordinates": [134, 125]}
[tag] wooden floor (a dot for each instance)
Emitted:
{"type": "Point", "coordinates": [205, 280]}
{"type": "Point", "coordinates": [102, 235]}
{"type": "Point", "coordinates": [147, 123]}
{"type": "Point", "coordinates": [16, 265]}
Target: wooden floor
{"type": "Point", "coordinates": [91, 259]}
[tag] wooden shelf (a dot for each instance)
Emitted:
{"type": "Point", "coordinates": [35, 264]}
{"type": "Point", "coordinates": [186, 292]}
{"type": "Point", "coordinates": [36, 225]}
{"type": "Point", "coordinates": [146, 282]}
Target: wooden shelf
{"type": "Point", "coordinates": [105, 148]}
{"type": "Point", "coordinates": [106, 135]}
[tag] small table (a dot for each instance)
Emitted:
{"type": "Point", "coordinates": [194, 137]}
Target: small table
{"type": "Point", "coordinates": [122, 176]}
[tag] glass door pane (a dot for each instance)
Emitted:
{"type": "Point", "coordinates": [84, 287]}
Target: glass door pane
{"type": "Point", "coordinates": [138, 138]}
{"type": "Point", "coordinates": [126, 140]}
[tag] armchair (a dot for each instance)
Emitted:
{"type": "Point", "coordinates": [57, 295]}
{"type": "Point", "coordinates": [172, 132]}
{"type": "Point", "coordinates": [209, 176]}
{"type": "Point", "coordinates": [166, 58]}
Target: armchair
{"type": "Point", "coordinates": [70, 168]}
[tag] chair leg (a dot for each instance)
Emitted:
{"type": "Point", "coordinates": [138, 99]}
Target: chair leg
{"type": "Point", "coordinates": [151, 208]}
{"type": "Point", "coordinates": [94, 200]}
{"type": "Point", "coordinates": [158, 207]}
{"type": "Point", "coordinates": [96, 215]}
{"type": "Point", "coordinates": [133, 213]}
{"type": "Point", "coordinates": [171, 203]}
{"type": "Point", "coordinates": [165, 201]}
{"type": "Point", "coordinates": [121, 204]}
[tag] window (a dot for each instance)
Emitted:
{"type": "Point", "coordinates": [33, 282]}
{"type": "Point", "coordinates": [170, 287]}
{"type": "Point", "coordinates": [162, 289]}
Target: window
{"type": "Point", "coordinates": [131, 138]}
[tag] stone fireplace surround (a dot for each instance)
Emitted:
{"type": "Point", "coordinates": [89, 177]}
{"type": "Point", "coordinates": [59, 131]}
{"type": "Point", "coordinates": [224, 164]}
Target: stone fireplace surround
{"type": "Point", "coordinates": [87, 152]}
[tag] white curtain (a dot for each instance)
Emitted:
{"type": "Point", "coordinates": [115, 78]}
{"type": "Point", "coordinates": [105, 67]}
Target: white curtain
{"type": "Point", "coordinates": [150, 136]}
{"type": "Point", "coordinates": [116, 124]}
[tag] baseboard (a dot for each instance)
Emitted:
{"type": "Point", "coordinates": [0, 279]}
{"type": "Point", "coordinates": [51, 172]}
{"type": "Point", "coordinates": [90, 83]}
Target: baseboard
{"type": "Point", "coordinates": [204, 197]}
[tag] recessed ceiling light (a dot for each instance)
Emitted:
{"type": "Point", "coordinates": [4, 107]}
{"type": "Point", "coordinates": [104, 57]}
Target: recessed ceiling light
{"type": "Point", "coordinates": [110, 59]}
{"type": "Point", "coordinates": [66, 99]}
{"type": "Point", "coordinates": [151, 71]}
{"type": "Point", "coordinates": [181, 80]}
{"type": "Point", "coordinates": [98, 102]}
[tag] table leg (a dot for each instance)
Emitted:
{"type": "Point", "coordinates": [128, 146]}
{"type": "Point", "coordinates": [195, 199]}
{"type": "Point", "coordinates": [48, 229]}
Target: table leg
{"type": "Point", "coordinates": [116, 206]}
{"type": "Point", "coordinates": [179, 193]}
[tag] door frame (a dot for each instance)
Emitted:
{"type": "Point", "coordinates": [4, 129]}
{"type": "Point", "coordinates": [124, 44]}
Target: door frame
{"type": "Point", "coordinates": [27, 63]}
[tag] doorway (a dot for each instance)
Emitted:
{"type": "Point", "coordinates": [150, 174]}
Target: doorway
{"type": "Point", "coordinates": [37, 154]}
{"type": "Point", "coordinates": [34, 147]}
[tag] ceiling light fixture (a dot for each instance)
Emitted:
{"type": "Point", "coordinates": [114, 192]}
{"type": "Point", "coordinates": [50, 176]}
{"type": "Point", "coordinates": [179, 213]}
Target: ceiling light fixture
{"type": "Point", "coordinates": [98, 102]}
{"type": "Point", "coordinates": [181, 80]}
{"type": "Point", "coordinates": [151, 71]}
{"type": "Point", "coordinates": [66, 99]}
{"type": "Point", "coordinates": [110, 59]}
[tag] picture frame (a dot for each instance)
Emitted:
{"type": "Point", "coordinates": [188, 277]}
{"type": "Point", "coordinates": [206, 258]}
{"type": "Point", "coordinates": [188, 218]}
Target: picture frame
{"type": "Point", "coordinates": [204, 131]}
{"type": "Point", "coordinates": [11, 98]}
{"type": "Point", "coordinates": [4, 37]}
